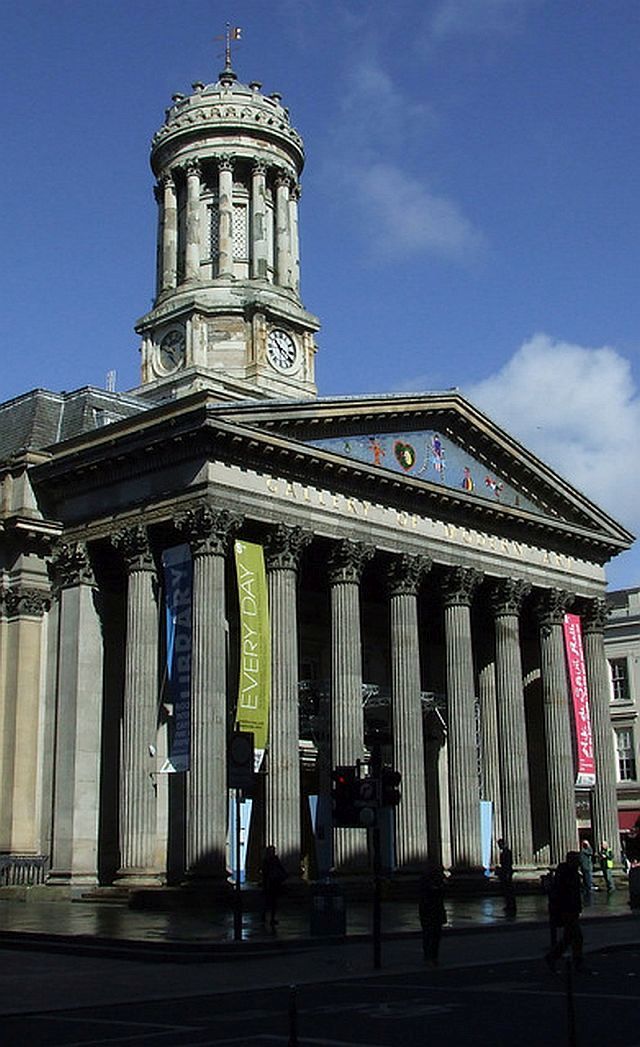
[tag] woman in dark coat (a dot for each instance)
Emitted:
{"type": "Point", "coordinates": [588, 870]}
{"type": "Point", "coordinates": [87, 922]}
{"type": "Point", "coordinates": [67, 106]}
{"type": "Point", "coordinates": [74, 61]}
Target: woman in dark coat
{"type": "Point", "coordinates": [273, 876]}
{"type": "Point", "coordinates": [432, 912]}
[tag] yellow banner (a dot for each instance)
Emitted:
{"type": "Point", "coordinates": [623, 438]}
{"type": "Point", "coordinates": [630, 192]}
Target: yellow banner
{"type": "Point", "coordinates": [254, 686]}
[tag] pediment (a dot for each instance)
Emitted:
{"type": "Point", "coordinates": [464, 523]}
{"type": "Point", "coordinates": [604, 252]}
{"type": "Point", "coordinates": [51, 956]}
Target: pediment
{"type": "Point", "coordinates": [443, 441]}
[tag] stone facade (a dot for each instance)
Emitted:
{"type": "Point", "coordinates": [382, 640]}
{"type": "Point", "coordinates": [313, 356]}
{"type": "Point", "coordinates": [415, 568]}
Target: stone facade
{"type": "Point", "coordinates": [622, 647]}
{"type": "Point", "coordinates": [419, 564]}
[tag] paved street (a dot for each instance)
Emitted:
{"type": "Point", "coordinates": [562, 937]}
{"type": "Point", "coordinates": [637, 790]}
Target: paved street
{"type": "Point", "coordinates": [492, 986]}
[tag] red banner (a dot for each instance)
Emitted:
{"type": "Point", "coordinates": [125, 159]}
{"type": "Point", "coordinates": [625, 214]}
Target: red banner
{"type": "Point", "coordinates": [578, 679]}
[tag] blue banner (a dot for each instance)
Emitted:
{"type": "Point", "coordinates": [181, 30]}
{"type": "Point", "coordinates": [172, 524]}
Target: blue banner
{"type": "Point", "coordinates": [178, 578]}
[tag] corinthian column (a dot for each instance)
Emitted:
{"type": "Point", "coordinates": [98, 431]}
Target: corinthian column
{"type": "Point", "coordinates": [259, 242]}
{"type": "Point", "coordinates": [209, 533]}
{"type": "Point", "coordinates": [507, 597]}
{"type": "Point", "coordinates": [604, 796]}
{"type": "Point", "coordinates": [138, 814]}
{"type": "Point", "coordinates": [282, 252]}
{"type": "Point", "coordinates": [403, 581]}
{"type": "Point", "coordinates": [563, 834]}
{"type": "Point", "coordinates": [464, 791]}
{"type": "Point", "coordinates": [283, 550]}
{"type": "Point", "coordinates": [169, 233]}
{"type": "Point", "coordinates": [347, 724]}
{"type": "Point", "coordinates": [225, 219]}
{"type": "Point", "coordinates": [192, 248]}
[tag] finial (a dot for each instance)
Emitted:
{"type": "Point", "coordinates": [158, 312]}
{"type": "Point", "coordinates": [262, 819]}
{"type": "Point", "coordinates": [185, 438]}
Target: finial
{"type": "Point", "coordinates": [233, 32]}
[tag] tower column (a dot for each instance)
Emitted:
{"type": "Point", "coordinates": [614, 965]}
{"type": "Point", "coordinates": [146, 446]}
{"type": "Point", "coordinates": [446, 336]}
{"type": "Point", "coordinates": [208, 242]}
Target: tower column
{"type": "Point", "coordinates": [259, 242]}
{"type": "Point", "coordinates": [604, 797]}
{"type": "Point", "coordinates": [507, 597]}
{"type": "Point", "coordinates": [283, 247]}
{"type": "Point", "coordinates": [563, 834]}
{"type": "Point", "coordinates": [403, 582]}
{"type": "Point", "coordinates": [487, 699]}
{"type": "Point", "coordinates": [140, 711]}
{"type": "Point", "coordinates": [169, 219]}
{"type": "Point", "coordinates": [225, 220]}
{"type": "Point", "coordinates": [294, 196]}
{"type": "Point", "coordinates": [464, 793]}
{"type": "Point", "coordinates": [192, 249]}
{"type": "Point", "coordinates": [209, 533]}
{"type": "Point", "coordinates": [283, 550]}
{"type": "Point", "coordinates": [345, 568]}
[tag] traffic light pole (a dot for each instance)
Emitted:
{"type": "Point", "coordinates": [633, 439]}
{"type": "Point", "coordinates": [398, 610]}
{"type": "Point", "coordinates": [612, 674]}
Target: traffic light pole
{"type": "Point", "coordinates": [376, 767]}
{"type": "Point", "coordinates": [237, 908]}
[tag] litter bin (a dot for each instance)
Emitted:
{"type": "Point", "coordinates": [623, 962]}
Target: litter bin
{"type": "Point", "coordinates": [328, 914]}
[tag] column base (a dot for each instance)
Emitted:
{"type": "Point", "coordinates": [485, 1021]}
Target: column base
{"type": "Point", "coordinates": [138, 878]}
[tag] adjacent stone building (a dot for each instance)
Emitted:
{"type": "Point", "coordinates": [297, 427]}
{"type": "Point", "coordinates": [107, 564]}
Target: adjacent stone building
{"type": "Point", "coordinates": [622, 645]}
{"type": "Point", "coordinates": [419, 565]}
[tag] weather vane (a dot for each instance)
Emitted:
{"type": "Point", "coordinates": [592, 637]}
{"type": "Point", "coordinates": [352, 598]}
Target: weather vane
{"type": "Point", "coordinates": [232, 32]}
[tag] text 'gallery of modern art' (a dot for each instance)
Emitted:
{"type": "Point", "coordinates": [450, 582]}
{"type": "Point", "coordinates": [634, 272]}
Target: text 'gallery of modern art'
{"type": "Point", "coordinates": [220, 548]}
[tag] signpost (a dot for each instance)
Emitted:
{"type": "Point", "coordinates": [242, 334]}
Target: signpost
{"type": "Point", "coordinates": [240, 776]}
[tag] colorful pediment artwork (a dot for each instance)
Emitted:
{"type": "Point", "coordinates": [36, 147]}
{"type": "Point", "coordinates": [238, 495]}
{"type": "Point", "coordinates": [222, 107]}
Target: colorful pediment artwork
{"type": "Point", "coordinates": [427, 455]}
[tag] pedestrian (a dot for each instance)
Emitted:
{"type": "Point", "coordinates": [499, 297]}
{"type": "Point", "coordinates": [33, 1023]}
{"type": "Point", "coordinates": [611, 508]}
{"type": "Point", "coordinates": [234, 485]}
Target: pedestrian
{"type": "Point", "coordinates": [605, 855]}
{"type": "Point", "coordinates": [504, 872]}
{"type": "Point", "coordinates": [632, 851]}
{"type": "Point", "coordinates": [431, 911]}
{"type": "Point", "coordinates": [586, 870]}
{"type": "Point", "coordinates": [565, 906]}
{"type": "Point", "coordinates": [273, 876]}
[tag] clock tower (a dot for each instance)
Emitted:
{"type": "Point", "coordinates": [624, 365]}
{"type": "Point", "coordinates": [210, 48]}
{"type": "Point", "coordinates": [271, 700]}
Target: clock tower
{"type": "Point", "coordinates": [227, 315]}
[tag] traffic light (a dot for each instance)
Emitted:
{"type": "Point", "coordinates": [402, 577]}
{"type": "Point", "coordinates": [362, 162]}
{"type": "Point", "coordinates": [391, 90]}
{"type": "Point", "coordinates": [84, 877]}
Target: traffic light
{"type": "Point", "coordinates": [390, 787]}
{"type": "Point", "coordinates": [343, 794]}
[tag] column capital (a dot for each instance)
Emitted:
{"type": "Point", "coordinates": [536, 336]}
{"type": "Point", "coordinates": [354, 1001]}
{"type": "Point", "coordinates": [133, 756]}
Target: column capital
{"type": "Point", "coordinates": [284, 547]}
{"type": "Point", "coordinates": [594, 614]}
{"type": "Point", "coordinates": [70, 565]}
{"type": "Point", "coordinates": [192, 166]}
{"type": "Point", "coordinates": [405, 574]}
{"type": "Point", "coordinates": [347, 560]}
{"type": "Point", "coordinates": [209, 531]}
{"type": "Point", "coordinates": [133, 543]}
{"type": "Point", "coordinates": [259, 167]}
{"type": "Point", "coordinates": [24, 601]}
{"type": "Point", "coordinates": [507, 595]}
{"type": "Point", "coordinates": [551, 607]}
{"type": "Point", "coordinates": [459, 584]}
{"type": "Point", "coordinates": [167, 180]}
{"type": "Point", "coordinates": [282, 179]}
{"type": "Point", "coordinates": [226, 162]}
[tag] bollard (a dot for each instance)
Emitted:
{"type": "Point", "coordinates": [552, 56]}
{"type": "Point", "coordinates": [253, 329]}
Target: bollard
{"type": "Point", "coordinates": [293, 1016]}
{"type": "Point", "coordinates": [571, 1010]}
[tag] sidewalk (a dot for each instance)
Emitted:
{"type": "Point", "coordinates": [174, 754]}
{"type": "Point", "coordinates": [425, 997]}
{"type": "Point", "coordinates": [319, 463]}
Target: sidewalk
{"type": "Point", "coordinates": [57, 955]}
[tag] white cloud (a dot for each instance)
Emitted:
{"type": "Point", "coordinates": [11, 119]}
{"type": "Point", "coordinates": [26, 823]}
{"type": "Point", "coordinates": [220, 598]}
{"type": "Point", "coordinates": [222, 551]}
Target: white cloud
{"type": "Point", "coordinates": [578, 409]}
{"type": "Point", "coordinates": [402, 215]}
{"type": "Point", "coordinates": [409, 218]}
{"type": "Point", "coordinates": [478, 17]}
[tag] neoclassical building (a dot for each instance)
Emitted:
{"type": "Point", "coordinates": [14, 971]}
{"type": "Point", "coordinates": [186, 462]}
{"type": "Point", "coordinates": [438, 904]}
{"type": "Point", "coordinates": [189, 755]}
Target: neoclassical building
{"type": "Point", "coordinates": [419, 566]}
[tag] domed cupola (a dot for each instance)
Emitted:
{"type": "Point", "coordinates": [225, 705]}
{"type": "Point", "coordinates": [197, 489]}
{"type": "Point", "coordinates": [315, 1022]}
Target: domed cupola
{"type": "Point", "coordinates": [227, 314]}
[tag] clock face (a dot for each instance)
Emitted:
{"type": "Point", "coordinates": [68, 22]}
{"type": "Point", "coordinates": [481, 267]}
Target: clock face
{"type": "Point", "coordinates": [281, 350]}
{"type": "Point", "coordinates": [171, 353]}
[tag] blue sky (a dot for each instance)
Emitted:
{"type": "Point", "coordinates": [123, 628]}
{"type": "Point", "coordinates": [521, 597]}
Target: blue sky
{"type": "Point", "coordinates": [470, 210]}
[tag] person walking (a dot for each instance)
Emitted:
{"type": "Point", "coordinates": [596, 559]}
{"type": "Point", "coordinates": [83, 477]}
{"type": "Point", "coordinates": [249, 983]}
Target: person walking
{"type": "Point", "coordinates": [273, 876]}
{"type": "Point", "coordinates": [431, 911]}
{"type": "Point", "coordinates": [605, 855]}
{"type": "Point", "coordinates": [504, 872]}
{"type": "Point", "coordinates": [586, 870]}
{"type": "Point", "coordinates": [565, 906]}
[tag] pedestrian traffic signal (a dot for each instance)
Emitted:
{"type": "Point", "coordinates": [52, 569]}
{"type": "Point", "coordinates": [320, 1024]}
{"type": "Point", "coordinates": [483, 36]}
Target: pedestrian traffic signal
{"type": "Point", "coordinates": [343, 795]}
{"type": "Point", "coordinates": [390, 787]}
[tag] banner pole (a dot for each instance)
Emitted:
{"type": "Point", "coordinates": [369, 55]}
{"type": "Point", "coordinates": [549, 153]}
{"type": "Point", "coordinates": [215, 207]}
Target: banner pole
{"type": "Point", "coordinates": [237, 909]}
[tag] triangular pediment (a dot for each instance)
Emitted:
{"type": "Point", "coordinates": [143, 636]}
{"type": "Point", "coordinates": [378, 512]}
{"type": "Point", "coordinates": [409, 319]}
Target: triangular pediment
{"type": "Point", "coordinates": [442, 441]}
